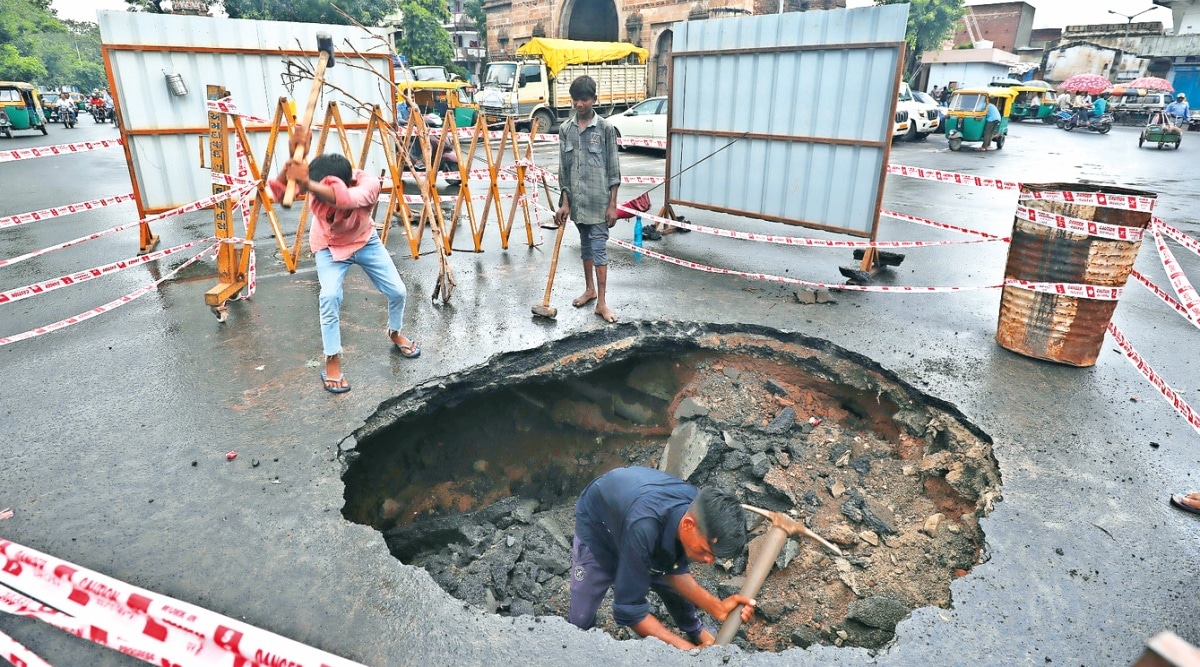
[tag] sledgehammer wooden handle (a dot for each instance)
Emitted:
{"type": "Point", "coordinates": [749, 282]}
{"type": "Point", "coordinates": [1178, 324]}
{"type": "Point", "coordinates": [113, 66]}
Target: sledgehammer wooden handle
{"type": "Point", "coordinates": [325, 57]}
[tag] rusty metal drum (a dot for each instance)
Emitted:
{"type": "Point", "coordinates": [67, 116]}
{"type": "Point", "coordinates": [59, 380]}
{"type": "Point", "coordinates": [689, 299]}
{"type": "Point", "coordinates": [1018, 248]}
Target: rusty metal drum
{"type": "Point", "coordinates": [1084, 240]}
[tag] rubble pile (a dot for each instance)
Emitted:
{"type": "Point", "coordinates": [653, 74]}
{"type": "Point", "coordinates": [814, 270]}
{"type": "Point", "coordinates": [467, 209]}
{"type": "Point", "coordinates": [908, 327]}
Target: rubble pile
{"type": "Point", "coordinates": [899, 484]}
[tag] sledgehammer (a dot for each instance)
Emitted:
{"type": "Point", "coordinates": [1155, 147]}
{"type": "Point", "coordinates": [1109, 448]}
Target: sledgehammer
{"type": "Point", "coordinates": [782, 527]}
{"type": "Point", "coordinates": [324, 61]}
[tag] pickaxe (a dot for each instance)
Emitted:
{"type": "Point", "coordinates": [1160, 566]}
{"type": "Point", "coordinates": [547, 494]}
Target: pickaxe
{"type": "Point", "coordinates": [782, 527]}
{"type": "Point", "coordinates": [324, 61]}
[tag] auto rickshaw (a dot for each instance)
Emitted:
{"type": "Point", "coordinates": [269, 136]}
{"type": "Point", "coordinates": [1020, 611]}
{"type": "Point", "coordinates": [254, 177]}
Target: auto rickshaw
{"type": "Point", "coordinates": [968, 109]}
{"type": "Point", "coordinates": [1161, 130]}
{"type": "Point", "coordinates": [443, 98]}
{"type": "Point", "coordinates": [1033, 103]}
{"type": "Point", "coordinates": [20, 108]}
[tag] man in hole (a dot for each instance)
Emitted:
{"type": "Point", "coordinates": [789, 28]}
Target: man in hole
{"type": "Point", "coordinates": [636, 529]}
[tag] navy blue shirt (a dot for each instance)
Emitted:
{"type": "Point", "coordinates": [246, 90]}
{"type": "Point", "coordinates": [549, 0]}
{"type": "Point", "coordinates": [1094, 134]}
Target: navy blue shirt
{"type": "Point", "coordinates": [629, 519]}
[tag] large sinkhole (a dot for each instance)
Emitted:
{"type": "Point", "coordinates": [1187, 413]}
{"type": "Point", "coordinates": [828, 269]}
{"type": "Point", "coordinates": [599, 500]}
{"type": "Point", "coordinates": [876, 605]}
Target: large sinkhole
{"type": "Point", "coordinates": [475, 477]}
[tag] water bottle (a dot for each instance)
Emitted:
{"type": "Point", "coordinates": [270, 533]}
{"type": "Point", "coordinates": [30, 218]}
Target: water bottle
{"type": "Point", "coordinates": [637, 236]}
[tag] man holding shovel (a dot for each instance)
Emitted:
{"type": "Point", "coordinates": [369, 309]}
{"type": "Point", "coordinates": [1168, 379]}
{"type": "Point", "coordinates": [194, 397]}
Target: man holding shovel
{"type": "Point", "coordinates": [590, 174]}
{"type": "Point", "coordinates": [636, 530]}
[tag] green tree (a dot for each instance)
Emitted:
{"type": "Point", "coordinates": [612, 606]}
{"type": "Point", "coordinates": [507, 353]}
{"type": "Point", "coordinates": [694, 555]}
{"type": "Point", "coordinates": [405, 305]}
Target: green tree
{"type": "Point", "coordinates": [23, 27]}
{"type": "Point", "coordinates": [475, 12]}
{"type": "Point", "coordinates": [424, 40]}
{"type": "Point", "coordinates": [930, 22]}
{"type": "Point", "coordinates": [366, 12]}
{"type": "Point", "coordinates": [16, 67]}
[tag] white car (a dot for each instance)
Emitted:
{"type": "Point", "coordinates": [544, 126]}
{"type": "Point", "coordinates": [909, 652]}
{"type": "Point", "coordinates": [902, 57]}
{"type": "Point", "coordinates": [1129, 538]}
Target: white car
{"type": "Point", "coordinates": [925, 118]}
{"type": "Point", "coordinates": [645, 120]}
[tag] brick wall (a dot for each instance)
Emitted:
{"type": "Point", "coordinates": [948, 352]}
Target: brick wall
{"type": "Point", "coordinates": [998, 22]}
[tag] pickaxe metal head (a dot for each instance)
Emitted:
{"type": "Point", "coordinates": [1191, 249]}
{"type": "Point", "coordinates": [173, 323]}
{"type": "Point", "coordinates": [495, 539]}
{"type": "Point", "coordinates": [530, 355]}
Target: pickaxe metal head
{"type": "Point", "coordinates": [791, 526]}
{"type": "Point", "coordinates": [325, 46]}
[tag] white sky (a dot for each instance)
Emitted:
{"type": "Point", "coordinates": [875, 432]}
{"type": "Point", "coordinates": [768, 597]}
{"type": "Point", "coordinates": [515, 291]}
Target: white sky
{"type": "Point", "coordinates": [1060, 13]}
{"type": "Point", "coordinates": [84, 10]}
{"type": "Point", "coordinates": [1050, 13]}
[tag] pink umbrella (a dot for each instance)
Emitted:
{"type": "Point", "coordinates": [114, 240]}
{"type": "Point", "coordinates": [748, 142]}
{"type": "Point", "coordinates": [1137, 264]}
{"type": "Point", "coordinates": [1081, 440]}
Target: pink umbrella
{"type": "Point", "coordinates": [1086, 83]}
{"type": "Point", "coordinates": [1151, 83]}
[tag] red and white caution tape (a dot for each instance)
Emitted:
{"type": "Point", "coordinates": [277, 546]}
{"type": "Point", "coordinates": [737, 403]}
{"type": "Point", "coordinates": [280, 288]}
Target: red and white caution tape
{"type": "Point", "coordinates": [1089, 227]}
{"type": "Point", "coordinates": [645, 143]}
{"type": "Point", "coordinates": [1161, 385]}
{"type": "Point", "coordinates": [793, 240]}
{"type": "Point", "coordinates": [59, 211]}
{"type": "Point", "coordinates": [1101, 199]}
{"type": "Point", "coordinates": [794, 281]}
{"type": "Point", "coordinates": [1183, 239]}
{"type": "Point", "coordinates": [95, 597]}
{"type": "Point", "coordinates": [1187, 294]}
{"type": "Point", "coordinates": [227, 105]}
{"type": "Point", "coordinates": [12, 651]}
{"type": "Point", "coordinates": [60, 149]}
{"type": "Point", "coordinates": [108, 307]}
{"type": "Point", "coordinates": [1163, 295]}
{"type": "Point", "coordinates": [952, 177]}
{"type": "Point", "coordinates": [943, 225]}
{"type": "Point", "coordinates": [152, 642]}
{"type": "Point", "coordinates": [186, 208]}
{"type": "Point", "coordinates": [1078, 291]}
{"type": "Point", "coordinates": [14, 295]}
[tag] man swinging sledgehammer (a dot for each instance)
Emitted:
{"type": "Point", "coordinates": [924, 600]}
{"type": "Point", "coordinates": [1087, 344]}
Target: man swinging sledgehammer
{"type": "Point", "coordinates": [637, 529]}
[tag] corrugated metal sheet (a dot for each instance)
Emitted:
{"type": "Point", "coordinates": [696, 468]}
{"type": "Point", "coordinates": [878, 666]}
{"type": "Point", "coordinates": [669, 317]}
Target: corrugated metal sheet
{"type": "Point", "coordinates": [226, 52]}
{"type": "Point", "coordinates": [807, 128]}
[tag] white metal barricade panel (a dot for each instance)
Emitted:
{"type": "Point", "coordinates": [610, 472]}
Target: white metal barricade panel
{"type": "Point", "coordinates": [247, 58]}
{"type": "Point", "coordinates": [786, 117]}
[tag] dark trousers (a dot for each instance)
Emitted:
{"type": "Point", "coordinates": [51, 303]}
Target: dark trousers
{"type": "Point", "coordinates": [988, 129]}
{"type": "Point", "coordinates": [589, 583]}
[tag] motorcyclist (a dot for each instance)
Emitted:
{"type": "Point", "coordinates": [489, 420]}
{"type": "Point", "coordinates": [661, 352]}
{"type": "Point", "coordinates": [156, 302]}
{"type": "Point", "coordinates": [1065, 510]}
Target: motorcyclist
{"type": "Point", "coordinates": [1178, 111]}
{"type": "Point", "coordinates": [65, 105]}
{"type": "Point", "coordinates": [1099, 107]}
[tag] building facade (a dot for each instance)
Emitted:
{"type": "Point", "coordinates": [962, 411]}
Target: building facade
{"type": "Point", "coordinates": [646, 23]}
{"type": "Point", "coordinates": [1007, 25]}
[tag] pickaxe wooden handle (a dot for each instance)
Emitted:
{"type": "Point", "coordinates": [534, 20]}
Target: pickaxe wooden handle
{"type": "Point", "coordinates": [325, 61]}
{"type": "Point", "coordinates": [782, 527]}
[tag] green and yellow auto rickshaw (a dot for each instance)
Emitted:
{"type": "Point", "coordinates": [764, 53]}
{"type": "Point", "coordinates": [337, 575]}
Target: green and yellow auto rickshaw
{"type": "Point", "coordinates": [443, 98]}
{"type": "Point", "coordinates": [20, 108]}
{"type": "Point", "coordinates": [967, 111]}
{"type": "Point", "coordinates": [1034, 103]}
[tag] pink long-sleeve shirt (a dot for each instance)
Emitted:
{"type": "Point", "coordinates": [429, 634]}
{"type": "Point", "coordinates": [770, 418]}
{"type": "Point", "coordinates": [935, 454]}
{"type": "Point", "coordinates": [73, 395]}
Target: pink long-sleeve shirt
{"type": "Point", "coordinates": [344, 226]}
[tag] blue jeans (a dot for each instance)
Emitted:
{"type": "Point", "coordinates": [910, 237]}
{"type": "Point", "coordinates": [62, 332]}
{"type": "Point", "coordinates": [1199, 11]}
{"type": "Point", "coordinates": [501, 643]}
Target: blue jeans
{"type": "Point", "coordinates": [379, 267]}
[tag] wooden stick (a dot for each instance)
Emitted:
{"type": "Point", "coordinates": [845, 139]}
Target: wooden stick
{"type": "Point", "coordinates": [289, 195]}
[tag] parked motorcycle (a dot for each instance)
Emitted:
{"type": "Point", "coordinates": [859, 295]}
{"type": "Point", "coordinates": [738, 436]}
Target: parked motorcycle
{"type": "Point", "coordinates": [447, 167]}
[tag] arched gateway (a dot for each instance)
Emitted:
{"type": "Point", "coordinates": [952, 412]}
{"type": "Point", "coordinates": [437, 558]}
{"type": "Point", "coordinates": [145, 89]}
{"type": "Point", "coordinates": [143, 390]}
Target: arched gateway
{"type": "Point", "coordinates": [591, 20]}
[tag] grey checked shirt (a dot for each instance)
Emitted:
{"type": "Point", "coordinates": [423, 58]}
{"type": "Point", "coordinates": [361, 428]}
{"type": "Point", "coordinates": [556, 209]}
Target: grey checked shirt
{"type": "Point", "coordinates": [588, 167]}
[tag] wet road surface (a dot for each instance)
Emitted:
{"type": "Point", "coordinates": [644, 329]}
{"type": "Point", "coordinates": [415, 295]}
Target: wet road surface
{"type": "Point", "coordinates": [115, 430]}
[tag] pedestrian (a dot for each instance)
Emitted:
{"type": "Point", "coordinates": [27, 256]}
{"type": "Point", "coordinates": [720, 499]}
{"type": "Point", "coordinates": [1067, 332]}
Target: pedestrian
{"type": "Point", "coordinates": [590, 174]}
{"type": "Point", "coordinates": [343, 233]}
{"type": "Point", "coordinates": [990, 122]}
{"type": "Point", "coordinates": [636, 530]}
{"type": "Point", "coordinates": [936, 93]}
{"type": "Point", "coordinates": [1187, 502]}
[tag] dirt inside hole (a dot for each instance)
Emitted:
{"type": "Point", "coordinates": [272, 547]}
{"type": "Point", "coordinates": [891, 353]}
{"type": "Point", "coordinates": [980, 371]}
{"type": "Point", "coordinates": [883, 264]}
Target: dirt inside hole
{"type": "Point", "coordinates": [481, 493]}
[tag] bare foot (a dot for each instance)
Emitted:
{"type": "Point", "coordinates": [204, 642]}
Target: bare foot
{"type": "Point", "coordinates": [1191, 500]}
{"type": "Point", "coordinates": [584, 299]}
{"type": "Point", "coordinates": [607, 313]}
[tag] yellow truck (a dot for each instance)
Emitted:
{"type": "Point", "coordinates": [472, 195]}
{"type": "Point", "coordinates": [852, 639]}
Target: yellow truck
{"type": "Point", "coordinates": [535, 84]}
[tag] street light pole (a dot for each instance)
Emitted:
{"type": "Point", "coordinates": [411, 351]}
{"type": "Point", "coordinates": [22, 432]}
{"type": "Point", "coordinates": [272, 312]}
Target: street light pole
{"type": "Point", "coordinates": [1131, 17]}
